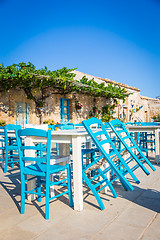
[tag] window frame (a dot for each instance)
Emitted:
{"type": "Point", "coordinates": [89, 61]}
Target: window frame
{"type": "Point", "coordinates": [63, 107]}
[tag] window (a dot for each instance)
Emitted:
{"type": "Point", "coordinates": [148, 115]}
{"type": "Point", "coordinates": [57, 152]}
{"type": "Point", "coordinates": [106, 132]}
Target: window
{"type": "Point", "coordinates": [22, 113]}
{"type": "Point", "coordinates": [65, 110]}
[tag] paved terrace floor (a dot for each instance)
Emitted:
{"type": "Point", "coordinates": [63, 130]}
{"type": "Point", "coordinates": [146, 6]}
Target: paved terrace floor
{"type": "Point", "coordinates": [133, 215]}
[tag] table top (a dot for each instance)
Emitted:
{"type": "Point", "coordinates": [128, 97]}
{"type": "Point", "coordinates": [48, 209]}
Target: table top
{"type": "Point", "coordinates": [147, 127]}
{"type": "Point", "coordinates": [70, 132]}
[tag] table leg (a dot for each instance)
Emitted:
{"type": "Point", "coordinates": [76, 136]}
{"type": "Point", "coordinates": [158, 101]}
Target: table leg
{"type": "Point", "coordinates": [88, 146]}
{"type": "Point", "coordinates": [77, 173]}
{"type": "Point", "coordinates": [136, 137]}
{"type": "Point", "coordinates": [157, 145]}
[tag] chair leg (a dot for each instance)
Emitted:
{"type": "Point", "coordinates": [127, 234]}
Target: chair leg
{"type": "Point", "coordinates": [11, 159]}
{"type": "Point", "coordinates": [93, 172]}
{"type": "Point", "coordinates": [129, 171]}
{"type": "Point", "coordinates": [124, 185]}
{"type": "Point", "coordinates": [57, 148]}
{"type": "Point", "coordinates": [101, 205]}
{"type": "Point", "coordinates": [108, 182]}
{"type": "Point", "coordinates": [11, 153]}
{"type": "Point", "coordinates": [22, 193]}
{"type": "Point", "coordinates": [6, 161]}
{"type": "Point", "coordinates": [112, 174]}
{"type": "Point", "coordinates": [47, 196]}
{"type": "Point", "coordinates": [69, 186]}
{"type": "Point", "coordinates": [11, 164]}
{"type": "Point", "coordinates": [39, 188]}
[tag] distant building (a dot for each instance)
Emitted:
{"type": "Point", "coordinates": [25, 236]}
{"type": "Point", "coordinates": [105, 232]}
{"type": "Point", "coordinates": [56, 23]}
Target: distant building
{"type": "Point", "coordinates": [136, 107]}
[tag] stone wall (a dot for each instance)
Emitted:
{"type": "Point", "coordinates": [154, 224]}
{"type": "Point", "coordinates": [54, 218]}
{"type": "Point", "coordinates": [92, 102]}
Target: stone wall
{"type": "Point", "coordinates": [7, 105]}
{"type": "Point", "coordinates": [136, 107]}
{"type": "Point", "coordinates": [51, 110]}
{"type": "Point", "coordinates": [154, 107]}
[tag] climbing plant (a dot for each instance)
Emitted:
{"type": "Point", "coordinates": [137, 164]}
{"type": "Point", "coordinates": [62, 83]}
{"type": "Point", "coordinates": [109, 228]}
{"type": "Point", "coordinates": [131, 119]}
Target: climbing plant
{"type": "Point", "coordinates": [107, 113]}
{"type": "Point", "coordinates": [156, 118]}
{"type": "Point", "coordinates": [39, 84]}
{"type": "Point", "coordinates": [109, 91]}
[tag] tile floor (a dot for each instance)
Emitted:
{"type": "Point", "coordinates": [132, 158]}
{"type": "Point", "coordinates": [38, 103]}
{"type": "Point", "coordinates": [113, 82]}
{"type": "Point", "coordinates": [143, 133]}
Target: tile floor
{"type": "Point", "coordinates": [132, 216]}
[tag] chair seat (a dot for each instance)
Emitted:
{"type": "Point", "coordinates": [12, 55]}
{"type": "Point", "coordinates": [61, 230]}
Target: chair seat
{"type": "Point", "coordinates": [38, 169]}
{"type": "Point", "coordinates": [87, 151]}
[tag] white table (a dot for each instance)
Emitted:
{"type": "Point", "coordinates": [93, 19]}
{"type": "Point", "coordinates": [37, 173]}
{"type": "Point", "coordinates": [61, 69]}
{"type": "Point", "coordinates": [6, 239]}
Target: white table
{"type": "Point", "coordinates": [76, 138]}
{"type": "Point", "coordinates": [154, 128]}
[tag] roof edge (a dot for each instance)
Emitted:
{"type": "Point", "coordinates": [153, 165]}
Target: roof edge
{"type": "Point", "coordinates": [149, 98]}
{"type": "Point", "coordinates": [111, 81]}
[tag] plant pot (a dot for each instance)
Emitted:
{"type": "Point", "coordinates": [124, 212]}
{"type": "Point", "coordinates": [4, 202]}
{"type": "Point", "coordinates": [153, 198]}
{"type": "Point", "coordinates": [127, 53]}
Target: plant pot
{"type": "Point", "coordinates": [78, 110]}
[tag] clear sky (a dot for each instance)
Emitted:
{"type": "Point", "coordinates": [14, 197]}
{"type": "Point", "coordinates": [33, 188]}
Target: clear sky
{"type": "Point", "coordinates": [115, 39]}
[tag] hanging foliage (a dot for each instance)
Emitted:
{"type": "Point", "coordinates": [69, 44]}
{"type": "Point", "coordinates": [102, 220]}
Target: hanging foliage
{"type": "Point", "coordinates": [46, 82]}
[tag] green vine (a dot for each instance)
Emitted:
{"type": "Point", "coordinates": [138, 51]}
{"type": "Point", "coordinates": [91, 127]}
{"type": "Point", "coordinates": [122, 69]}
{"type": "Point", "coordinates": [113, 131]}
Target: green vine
{"type": "Point", "coordinates": [46, 82]}
{"type": "Point", "coordinates": [2, 123]}
{"type": "Point", "coordinates": [107, 113]}
{"type": "Point", "coordinates": [109, 91]}
{"type": "Point", "coordinates": [156, 118]}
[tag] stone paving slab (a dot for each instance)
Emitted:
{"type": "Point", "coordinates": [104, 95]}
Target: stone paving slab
{"type": "Point", "coordinates": [133, 215]}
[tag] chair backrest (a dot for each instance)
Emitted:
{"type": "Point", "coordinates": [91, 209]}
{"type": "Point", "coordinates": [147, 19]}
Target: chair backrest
{"type": "Point", "coordinates": [137, 123]}
{"type": "Point", "coordinates": [1, 134]}
{"type": "Point", "coordinates": [66, 126]}
{"type": "Point", "coordinates": [129, 123]}
{"type": "Point", "coordinates": [106, 125]}
{"type": "Point", "coordinates": [103, 142]}
{"type": "Point", "coordinates": [41, 136]}
{"type": "Point", "coordinates": [10, 129]}
{"type": "Point", "coordinates": [121, 132]}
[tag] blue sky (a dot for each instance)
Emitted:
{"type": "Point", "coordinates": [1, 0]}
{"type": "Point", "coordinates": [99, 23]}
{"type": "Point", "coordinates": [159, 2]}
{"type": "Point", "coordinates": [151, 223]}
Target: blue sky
{"type": "Point", "coordinates": [118, 39]}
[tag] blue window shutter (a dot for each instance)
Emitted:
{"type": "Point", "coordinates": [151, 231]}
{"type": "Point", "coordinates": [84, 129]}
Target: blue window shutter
{"type": "Point", "coordinates": [63, 107]}
{"type": "Point", "coordinates": [68, 110]}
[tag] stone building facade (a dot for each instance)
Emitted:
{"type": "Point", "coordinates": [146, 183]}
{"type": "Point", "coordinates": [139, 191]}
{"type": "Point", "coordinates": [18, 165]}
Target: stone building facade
{"type": "Point", "coordinates": [136, 107]}
{"type": "Point", "coordinates": [16, 108]}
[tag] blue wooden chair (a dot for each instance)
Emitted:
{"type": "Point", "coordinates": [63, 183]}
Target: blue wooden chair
{"type": "Point", "coordinates": [147, 140]}
{"type": "Point", "coordinates": [101, 138]}
{"type": "Point", "coordinates": [39, 166]}
{"type": "Point", "coordinates": [9, 146]}
{"type": "Point", "coordinates": [128, 143]}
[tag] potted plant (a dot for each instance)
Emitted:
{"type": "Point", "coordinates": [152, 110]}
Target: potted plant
{"type": "Point", "coordinates": [78, 106]}
{"type": "Point", "coordinates": [156, 118]}
{"type": "Point", "coordinates": [49, 122]}
{"type": "Point", "coordinates": [2, 123]}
